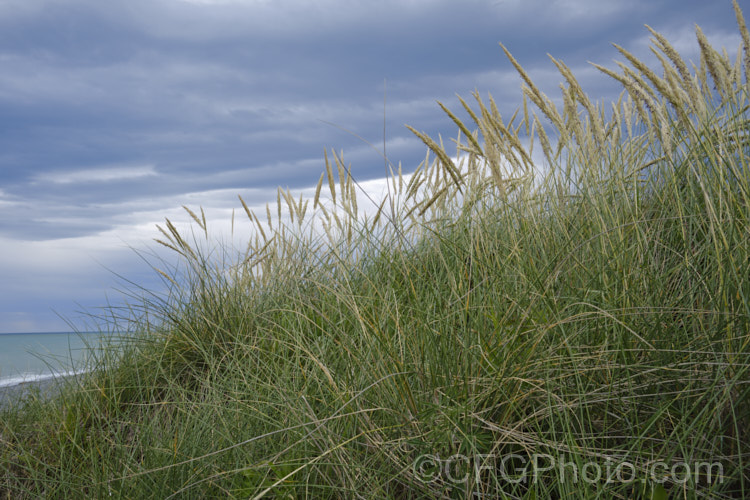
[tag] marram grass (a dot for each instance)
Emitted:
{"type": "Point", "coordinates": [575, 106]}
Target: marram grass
{"type": "Point", "coordinates": [570, 328]}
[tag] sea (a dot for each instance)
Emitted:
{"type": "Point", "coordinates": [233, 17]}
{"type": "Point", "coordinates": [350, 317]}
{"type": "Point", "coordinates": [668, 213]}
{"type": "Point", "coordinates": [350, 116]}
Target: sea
{"type": "Point", "coordinates": [28, 357]}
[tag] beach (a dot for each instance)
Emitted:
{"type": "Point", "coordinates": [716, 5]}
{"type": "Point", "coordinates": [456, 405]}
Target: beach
{"type": "Point", "coordinates": [12, 394]}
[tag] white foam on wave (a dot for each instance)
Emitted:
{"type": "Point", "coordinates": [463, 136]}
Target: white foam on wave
{"type": "Point", "coordinates": [24, 378]}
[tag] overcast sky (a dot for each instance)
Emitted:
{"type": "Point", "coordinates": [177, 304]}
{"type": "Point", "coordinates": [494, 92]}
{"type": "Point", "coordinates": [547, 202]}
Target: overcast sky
{"type": "Point", "coordinates": [115, 113]}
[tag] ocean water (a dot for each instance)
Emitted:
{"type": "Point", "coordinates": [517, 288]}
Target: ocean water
{"type": "Point", "coordinates": [26, 357]}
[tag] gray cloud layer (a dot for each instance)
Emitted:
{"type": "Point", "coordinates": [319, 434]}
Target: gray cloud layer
{"type": "Point", "coordinates": [111, 110]}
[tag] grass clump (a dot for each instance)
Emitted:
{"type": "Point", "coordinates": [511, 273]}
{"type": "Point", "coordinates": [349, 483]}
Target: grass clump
{"type": "Point", "coordinates": [500, 326]}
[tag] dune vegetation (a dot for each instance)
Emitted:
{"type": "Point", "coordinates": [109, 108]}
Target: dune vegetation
{"type": "Point", "coordinates": [557, 305]}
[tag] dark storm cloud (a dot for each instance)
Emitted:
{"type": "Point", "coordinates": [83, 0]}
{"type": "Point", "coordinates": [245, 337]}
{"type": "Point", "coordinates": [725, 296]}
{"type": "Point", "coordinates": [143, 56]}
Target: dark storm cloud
{"type": "Point", "coordinates": [115, 113]}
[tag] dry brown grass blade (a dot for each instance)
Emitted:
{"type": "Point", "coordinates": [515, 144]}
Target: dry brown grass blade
{"type": "Point", "coordinates": [502, 141]}
{"type": "Point", "coordinates": [417, 179]}
{"type": "Point", "coordinates": [339, 225]}
{"type": "Point", "coordinates": [260, 227]}
{"type": "Point", "coordinates": [543, 140]}
{"type": "Point", "coordinates": [544, 104]}
{"type": "Point", "coordinates": [329, 173]}
{"type": "Point", "coordinates": [745, 38]}
{"type": "Point", "coordinates": [679, 63]}
{"type": "Point", "coordinates": [737, 69]}
{"type": "Point", "coordinates": [378, 214]}
{"type": "Point", "coordinates": [326, 216]}
{"type": "Point", "coordinates": [468, 109]}
{"type": "Point", "coordinates": [650, 96]}
{"type": "Point", "coordinates": [353, 199]}
{"type": "Point", "coordinates": [712, 59]}
{"type": "Point", "coordinates": [166, 235]}
{"type": "Point", "coordinates": [268, 216]}
{"type": "Point", "coordinates": [201, 222]}
{"type": "Point", "coordinates": [425, 205]}
{"type": "Point", "coordinates": [475, 145]}
{"type": "Point", "coordinates": [289, 203]}
{"type": "Point", "coordinates": [244, 205]}
{"type": "Point", "coordinates": [661, 85]}
{"type": "Point", "coordinates": [260, 252]}
{"type": "Point", "coordinates": [526, 118]}
{"type": "Point", "coordinates": [339, 160]}
{"type": "Point", "coordinates": [177, 243]}
{"type": "Point", "coordinates": [171, 247]}
{"type": "Point", "coordinates": [162, 273]}
{"type": "Point", "coordinates": [317, 191]}
{"type": "Point", "coordinates": [570, 114]}
{"type": "Point", "coordinates": [278, 204]}
{"type": "Point", "coordinates": [302, 206]}
{"type": "Point", "coordinates": [450, 167]}
{"type": "Point", "coordinates": [641, 95]}
{"type": "Point", "coordinates": [253, 218]}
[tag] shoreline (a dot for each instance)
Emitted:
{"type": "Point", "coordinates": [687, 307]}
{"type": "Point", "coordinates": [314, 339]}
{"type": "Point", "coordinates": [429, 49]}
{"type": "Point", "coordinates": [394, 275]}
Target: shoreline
{"type": "Point", "coordinates": [10, 395]}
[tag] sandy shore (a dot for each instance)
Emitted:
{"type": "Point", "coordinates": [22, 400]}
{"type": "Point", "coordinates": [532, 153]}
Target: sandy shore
{"type": "Point", "coordinates": [13, 393]}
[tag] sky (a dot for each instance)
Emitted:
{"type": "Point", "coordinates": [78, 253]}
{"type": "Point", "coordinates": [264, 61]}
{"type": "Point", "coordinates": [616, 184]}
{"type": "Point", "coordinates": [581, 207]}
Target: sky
{"type": "Point", "coordinates": [114, 114]}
